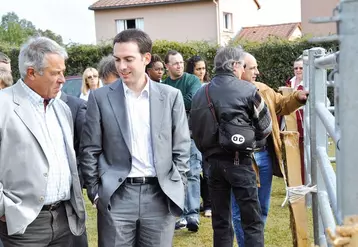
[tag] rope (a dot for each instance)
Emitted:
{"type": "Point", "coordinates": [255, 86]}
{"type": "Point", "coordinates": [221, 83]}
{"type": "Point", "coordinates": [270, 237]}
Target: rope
{"type": "Point", "coordinates": [294, 194]}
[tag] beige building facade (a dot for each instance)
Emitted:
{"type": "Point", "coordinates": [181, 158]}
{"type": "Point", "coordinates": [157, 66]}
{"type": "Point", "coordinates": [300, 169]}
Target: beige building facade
{"type": "Point", "coordinates": [317, 8]}
{"type": "Point", "coordinates": [198, 20]}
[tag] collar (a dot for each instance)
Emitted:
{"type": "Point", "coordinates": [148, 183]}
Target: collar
{"type": "Point", "coordinates": [145, 91]}
{"type": "Point", "coordinates": [58, 96]}
{"type": "Point", "coordinates": [292, 81]}
{"type": "Point", "coordinates": [34, 97]}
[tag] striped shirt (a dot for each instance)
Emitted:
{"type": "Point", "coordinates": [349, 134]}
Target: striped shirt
{"type": "Point", "coordinates": [262, 118]}
{"type": "Point", "coordinates": [59, 175]}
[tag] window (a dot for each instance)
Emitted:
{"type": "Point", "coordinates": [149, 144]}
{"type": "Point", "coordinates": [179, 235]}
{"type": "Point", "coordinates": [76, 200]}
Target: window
{"type": "Point", "coordinates": [130, 23]}
{"type": "Point", "coordinates": [228, 21]}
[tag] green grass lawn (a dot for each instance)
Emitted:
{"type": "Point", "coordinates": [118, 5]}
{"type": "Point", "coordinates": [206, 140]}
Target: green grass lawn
{"type": "Point", "coordinates": [277, 231]}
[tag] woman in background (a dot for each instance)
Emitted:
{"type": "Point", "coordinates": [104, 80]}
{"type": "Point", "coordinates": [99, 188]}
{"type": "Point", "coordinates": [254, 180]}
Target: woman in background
{"type": "Point", "coordinates": [197, 66]}
{"type": "Point", "coordinates": [296, 83]}
{"type": "Point", "coordinates": [90, 81]}
{"type": "Point", "coordinates": [155, 69]}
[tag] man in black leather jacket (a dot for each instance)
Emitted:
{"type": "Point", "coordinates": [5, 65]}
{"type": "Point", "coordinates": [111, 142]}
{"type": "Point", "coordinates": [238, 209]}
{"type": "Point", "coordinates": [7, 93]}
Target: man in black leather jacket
{"type": "Point", "coordinates": [237, 104]}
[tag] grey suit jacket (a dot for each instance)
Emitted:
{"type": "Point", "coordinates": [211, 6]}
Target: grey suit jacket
{"type": "Point", "coordinates": [24, 164]}
{"type": "Point", "coordinates": [106, 158]}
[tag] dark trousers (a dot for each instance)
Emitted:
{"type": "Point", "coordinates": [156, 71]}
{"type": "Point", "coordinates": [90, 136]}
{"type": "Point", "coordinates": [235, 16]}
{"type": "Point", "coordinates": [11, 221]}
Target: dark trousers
{"type": "Point", "coordinates": [50, 228]}
{"type": "Point", "coordinates": [225, 177]}
{"type": "Point", "coordinates": [80, 241]}
{"type": "Point", "coordinates": [204, 186]}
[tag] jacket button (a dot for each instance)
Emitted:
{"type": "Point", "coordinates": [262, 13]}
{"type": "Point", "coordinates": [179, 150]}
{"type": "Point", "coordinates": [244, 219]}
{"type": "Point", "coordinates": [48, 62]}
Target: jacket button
{"type": "Point", "coordinates": [45, 175]}
{"type": "Point", "coordinates": [130, 159]}
{"type": "Point", "coordinates": [42, 198]}
{"type": "Point", "coordinates": [120, 180]}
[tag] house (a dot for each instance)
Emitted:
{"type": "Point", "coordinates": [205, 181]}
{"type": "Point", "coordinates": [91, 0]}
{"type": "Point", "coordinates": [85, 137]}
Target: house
{"type": "Point", "coordinates": [289, 31]}
{"type": "Point", "coordinates": [215, 21]}
{"type": "Point", "coordinates": [317, 8]}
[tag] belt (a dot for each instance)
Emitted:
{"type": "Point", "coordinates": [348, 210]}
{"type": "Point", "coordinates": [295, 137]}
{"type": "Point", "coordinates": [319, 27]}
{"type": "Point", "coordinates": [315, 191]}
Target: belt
{"type": "Point", "coordinates": [261, 149]}
{"type": "Point", "coordinates": [142, 180]}
{"type": "Point", "coordinates": [52, 206]}
{"type": "Point", "coordinates": [244, 158]}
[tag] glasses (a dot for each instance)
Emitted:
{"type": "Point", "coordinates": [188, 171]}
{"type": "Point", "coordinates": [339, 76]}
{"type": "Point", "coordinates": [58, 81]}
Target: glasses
{"type": "Point", "coordinates": [296, 68]}
{"type": "Point", "coordinates": [177, 63]}
{"type": "Point", "coordinates": [91, 77]}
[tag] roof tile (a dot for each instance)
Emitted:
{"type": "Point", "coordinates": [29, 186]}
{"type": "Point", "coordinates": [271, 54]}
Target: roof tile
{"type": "Point", "coordinates": [126, 3]}
{"type": "Point", "coordinates": [261, 33]}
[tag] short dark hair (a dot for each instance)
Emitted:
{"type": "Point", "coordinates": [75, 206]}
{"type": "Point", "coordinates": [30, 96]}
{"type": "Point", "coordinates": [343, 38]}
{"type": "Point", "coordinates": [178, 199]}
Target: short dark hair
{"type": "Point", "coordinates": [190, 65]}
{"type": "Point", "coordinates": [4, 58]}
{"type": "Point", "coordinates": [137, 36]}
{"type": "Point", "coordinates": [155, 58]}
{"type": "Point", "coordinates": [170, 53]}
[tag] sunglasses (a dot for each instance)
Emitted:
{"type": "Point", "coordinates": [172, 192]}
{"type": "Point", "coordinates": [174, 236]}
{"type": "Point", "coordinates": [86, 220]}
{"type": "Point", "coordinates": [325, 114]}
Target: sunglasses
{"type": "Point", "coordinates": [90, 77]}
{"type": "Point", "coordinates": [296, 68]}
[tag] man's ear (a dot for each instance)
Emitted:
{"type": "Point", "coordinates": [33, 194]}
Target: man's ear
{"type": "Point", "coordinates": [147, 58]}
{"type": "Point", "coordinates": [30, 73]}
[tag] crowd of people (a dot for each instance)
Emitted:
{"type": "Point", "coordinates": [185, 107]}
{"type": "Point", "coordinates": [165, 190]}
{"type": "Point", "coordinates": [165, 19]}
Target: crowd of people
{"type": "Point", "coordinates": [153, 142]}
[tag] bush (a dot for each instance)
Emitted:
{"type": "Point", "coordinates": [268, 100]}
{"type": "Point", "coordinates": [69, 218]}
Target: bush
{"type": "Point", "coordinates": [275, 57]}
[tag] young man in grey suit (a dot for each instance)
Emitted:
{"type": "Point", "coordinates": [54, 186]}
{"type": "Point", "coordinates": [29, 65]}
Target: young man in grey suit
{"type": "Point", "coordinates": [135, 151]}
{"type": "Point", "coordinates": [41, 203]}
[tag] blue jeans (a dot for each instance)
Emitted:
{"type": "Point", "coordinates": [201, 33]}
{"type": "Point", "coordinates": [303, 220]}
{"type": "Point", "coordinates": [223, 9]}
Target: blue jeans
{"type": "Point", "coordinates": [264, 162]}
{"type": "Point", "coordinates": [192, 195]}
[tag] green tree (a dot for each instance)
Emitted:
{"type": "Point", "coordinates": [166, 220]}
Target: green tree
{"type": "Point", "coordinates": [15, 31]}
{"type": "Point", "coordinates": [49, 34]}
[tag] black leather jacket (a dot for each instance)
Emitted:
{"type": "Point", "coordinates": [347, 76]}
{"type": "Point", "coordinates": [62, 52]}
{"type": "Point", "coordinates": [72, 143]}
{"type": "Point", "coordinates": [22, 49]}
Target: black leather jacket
{"type": "Point", "coordinates": [234, 101]}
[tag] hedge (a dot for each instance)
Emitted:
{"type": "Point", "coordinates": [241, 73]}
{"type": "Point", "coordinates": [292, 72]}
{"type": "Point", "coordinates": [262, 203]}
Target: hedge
{"type": "Point", "coordinates": [275, 57]}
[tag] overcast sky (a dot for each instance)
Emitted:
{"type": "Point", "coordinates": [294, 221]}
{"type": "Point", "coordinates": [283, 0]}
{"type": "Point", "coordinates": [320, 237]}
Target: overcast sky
{"type": "Point", "coordinates": [75, 22]}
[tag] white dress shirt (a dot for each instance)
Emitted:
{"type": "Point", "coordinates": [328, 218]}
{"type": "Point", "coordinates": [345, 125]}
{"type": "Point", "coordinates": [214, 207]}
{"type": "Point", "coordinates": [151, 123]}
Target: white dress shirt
{"type": "Point", "coordinates": [85, 97]}
{"type": "Point", "coordinates": [138, 112]}
{"type": "Point", "coordinates": [59, 176]}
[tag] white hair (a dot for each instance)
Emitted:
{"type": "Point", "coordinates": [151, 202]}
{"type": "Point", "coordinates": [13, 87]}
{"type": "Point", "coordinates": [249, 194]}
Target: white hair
{"type": "Point", "coordinates": [226, 57]}
{"type": "Point", "coordinates": [33, 52]}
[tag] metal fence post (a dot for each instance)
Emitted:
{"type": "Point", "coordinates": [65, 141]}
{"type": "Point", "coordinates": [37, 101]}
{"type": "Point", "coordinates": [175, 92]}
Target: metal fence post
{"type": "Point", "coordinates": [313, 74]}
{"type": "Point", "coordinates": [347, 188]}
{"type": "Point", "coordinates": [307, 124]}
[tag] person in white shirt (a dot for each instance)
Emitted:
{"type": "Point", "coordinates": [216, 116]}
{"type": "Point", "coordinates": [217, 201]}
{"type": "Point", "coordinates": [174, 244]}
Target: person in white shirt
{"type": "Point", "coordinates": [135, 151]}
{"type": "Point", "coordinates": [41, 201]}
